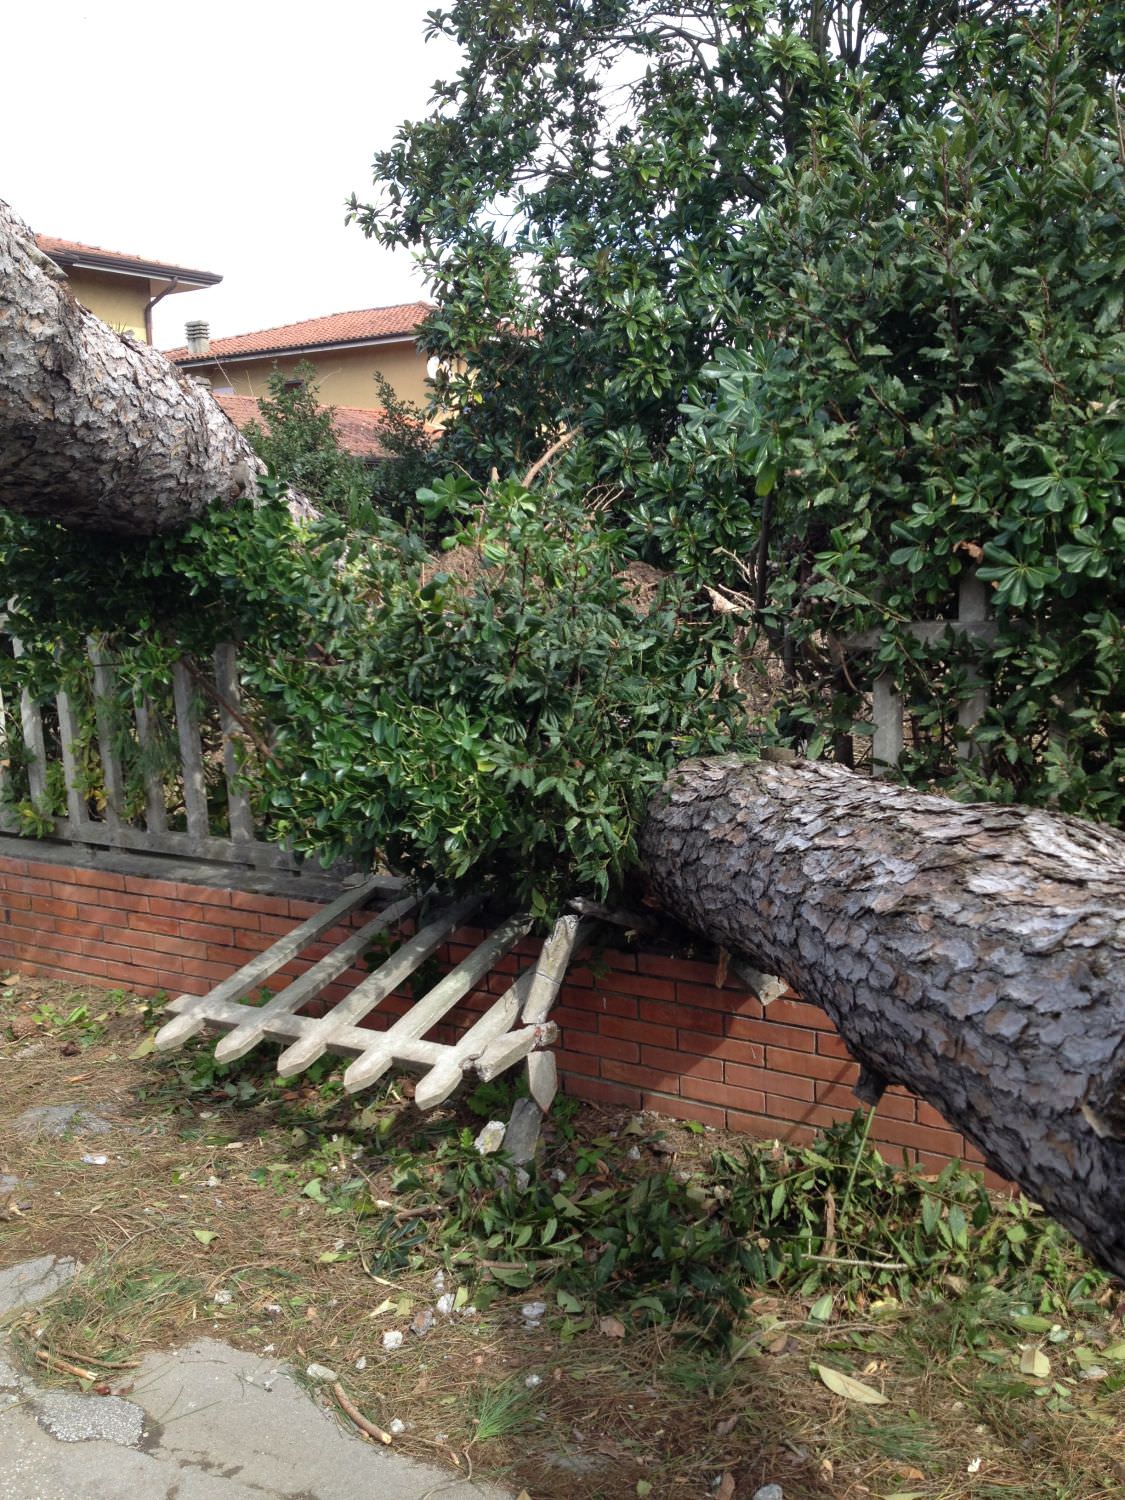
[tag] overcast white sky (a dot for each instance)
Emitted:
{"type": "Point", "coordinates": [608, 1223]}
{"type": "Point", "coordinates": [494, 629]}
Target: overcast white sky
{"type": "Point", "coordinates": [221, 136]}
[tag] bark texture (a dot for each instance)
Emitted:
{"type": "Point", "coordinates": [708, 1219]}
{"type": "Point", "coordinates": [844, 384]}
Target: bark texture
{"type": "Point", "coordinates": [97, 430]}
{"type": "Point", "coordinates": [974, 953]}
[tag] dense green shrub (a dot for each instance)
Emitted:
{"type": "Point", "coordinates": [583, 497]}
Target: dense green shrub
{"type": "Point", "coordinates": [298, 442]}
{"type": "Point", "coordinates": [504, 717]}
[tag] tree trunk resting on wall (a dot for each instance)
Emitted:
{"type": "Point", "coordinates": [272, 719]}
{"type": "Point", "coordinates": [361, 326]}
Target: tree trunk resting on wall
{"type": "Point", "coordinates": [973, 953]}
{"type": "Point", "coordinates": [98, 430]}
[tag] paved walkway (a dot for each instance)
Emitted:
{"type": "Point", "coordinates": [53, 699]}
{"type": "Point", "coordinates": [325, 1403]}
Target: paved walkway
{"type": "Point", "coordinates": [205, 1422]}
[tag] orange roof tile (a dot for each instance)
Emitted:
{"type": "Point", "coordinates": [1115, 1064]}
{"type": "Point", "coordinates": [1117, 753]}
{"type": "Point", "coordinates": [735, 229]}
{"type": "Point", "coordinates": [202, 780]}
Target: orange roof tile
{"type": "Point", "coordinates": [357, 427]}
{"type": "Point", "coordinates": [66, 252]}
{"type": "Point", "coordinates": [361, 327]}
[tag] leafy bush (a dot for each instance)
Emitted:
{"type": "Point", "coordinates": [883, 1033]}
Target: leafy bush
{"type": "Point", "coordinates": [413, 458]}
{"type": "Point", "coordinates": [508, 718]}
{"type": "Point", "coordinates": [504, 716]}
{"type": "Point", "coordinates": [836, 305]}
{"type": "Point", "coordinates": [299, 444]}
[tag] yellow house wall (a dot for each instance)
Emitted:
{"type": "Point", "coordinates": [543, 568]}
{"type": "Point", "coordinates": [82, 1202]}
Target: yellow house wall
{"type": "Point", "coordinates": [119, 301]}
{"type": "Point", "coordinates": [344, 376]}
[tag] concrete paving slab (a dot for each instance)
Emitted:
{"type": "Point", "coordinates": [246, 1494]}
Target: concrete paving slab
{"type": "Point", "coordinates": [217, 1424]}
{"type": "Point", "coordinates": [77, 1419]}
{"type": "Point", "coordinates": [33, 1280]}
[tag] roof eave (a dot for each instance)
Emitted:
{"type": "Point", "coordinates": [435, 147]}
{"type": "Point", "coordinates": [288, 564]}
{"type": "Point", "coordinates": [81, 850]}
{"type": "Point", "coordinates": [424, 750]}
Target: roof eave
{"type": "Point", "coordinates": [115, 265]}
{"type": "Point", "coordinates": [194, 361]}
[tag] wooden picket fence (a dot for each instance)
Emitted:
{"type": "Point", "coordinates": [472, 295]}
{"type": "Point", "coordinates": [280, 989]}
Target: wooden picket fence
{"type": "Point", "coordinates": [177, 817]}
{"type": "Point", "coordinates": [973, 620]}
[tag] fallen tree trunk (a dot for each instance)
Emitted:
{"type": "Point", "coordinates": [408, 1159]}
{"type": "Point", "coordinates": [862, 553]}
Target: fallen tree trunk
{"type": "Point", "coordinates": [98, 430]}
{"type": "Point", "coordinates": [974, 953]}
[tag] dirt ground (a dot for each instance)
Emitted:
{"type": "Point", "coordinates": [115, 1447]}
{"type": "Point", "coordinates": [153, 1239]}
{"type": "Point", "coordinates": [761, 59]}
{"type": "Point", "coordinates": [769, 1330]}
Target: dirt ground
{"type": "Point", "coordinates": [220, 1201]}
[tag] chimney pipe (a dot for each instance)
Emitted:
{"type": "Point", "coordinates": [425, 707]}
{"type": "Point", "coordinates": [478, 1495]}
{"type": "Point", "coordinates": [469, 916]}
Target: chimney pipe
{"type": "Point", "coordinates": [198, 338]}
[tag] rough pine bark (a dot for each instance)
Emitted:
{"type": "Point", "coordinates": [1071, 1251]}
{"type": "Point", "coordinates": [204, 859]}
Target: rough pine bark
{"type": "Point", "coordinates": [974, 953]}
{"type": "Point", "coordinates": [98, 430]}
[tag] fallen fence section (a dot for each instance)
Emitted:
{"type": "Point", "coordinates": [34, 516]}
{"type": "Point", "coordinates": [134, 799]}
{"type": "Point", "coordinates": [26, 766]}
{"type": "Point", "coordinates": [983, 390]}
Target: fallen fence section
{"type": "Point", "coordinates": [515, 1027]}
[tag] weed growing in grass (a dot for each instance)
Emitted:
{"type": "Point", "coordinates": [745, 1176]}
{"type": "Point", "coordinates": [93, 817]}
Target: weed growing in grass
{"type": "Point", "coordinates": [501, 1410]}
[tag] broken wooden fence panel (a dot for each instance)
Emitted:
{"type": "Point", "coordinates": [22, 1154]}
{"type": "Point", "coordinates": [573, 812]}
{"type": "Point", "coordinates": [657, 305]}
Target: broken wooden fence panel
{"type": "Point", "coordinates": [395, 971]}
{"type": "Point", "coordinates": [265, 965]}
{"type": "Point", "coordinates": [435, 1005]}
{"type": "Point", "coordinates": [310, 984]}
{"type": "Point", "coordinates": [497, 1039]}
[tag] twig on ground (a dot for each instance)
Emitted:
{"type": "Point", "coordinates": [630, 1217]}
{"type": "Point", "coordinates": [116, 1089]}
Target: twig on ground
{"type": "Point", "coordinates": [53, 1362]}
{"type": "Point", "coordinates": [353, 1413]}
{"type": "Point", "coordinates": [104, 1364]}
{"type": "Point", "coordinates": [870, 1265]}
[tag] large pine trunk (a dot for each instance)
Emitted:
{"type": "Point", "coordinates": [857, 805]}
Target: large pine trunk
{"type": "Point", "coordinates": [98, 430]}
{"type": "Point", "coordinates": [974, 953]}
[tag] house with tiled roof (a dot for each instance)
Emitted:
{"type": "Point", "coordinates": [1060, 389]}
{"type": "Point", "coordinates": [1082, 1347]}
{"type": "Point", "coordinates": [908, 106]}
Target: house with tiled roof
{"type": "Point", "coordinates": [345, 348]}
{"type": "Point", "coordinates": [121, 289]}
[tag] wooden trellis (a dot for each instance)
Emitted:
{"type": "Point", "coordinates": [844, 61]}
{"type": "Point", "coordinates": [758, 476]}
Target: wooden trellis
{"type": "Point", "coordinates": [516, 1026]}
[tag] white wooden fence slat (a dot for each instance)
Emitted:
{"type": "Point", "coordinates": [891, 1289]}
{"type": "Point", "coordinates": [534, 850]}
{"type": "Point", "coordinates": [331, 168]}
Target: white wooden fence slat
{"type": "Point", "coordinates": [230, 697]}
{"type": "Point", "coordinates": [113, 781]}
{"type": "Point", "coordinates": [191, 755]}
{"type": "Point", "coordinates": [31, 723]}
{"type": "Point", "coordinates": [551, 966]}
{"type": "Point", "coordinates": [8, 819]}
{"type": "Point", "coordinates": [316, 1039]}
{"type": "Point", "coordinates": [76, 811]}
{"type": "Point", "coordinates": [175, 1033]}
{"type": "Point", "coordinates": [972, 611]}
{"type": "Point", "coordinates": [512, 1048]}
{"type": "Point", "coordinates": [543, 1078]}
{"type": "Point", "coordinates": [251, 1031]}
{"type": "Point", "coordinates": [156, 813]}
{"type": "Point", "coordinates": [493, 1025]}
{"type": "Point", "coordinates": [432, 1006]}
{"type": "Point", "coordinates": [886, 710]}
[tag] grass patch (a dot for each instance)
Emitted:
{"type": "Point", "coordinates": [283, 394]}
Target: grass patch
{"type": "Point", "coordinates": [691, 1282]}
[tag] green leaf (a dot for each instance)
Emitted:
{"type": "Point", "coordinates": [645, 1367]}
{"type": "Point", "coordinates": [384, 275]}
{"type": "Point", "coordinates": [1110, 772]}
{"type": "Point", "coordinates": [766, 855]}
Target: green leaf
{"type": "Point", "coordinates": [205, 1236]}
{"type": "Point", "coordinates": [850, 1388]}
{"type": "Point", "coordinates": [821, 1310]}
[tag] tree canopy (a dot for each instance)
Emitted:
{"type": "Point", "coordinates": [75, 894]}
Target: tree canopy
{"type": "Point", "coordinates": [832, 294]}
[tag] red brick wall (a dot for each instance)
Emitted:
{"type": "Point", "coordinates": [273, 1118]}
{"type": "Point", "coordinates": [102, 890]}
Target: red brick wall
{"type": "Point", "coordinates": [637, 1029]}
